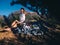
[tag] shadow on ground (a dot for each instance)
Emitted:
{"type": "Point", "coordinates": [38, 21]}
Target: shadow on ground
{"type": "Point", "coordinates": [8, 38]}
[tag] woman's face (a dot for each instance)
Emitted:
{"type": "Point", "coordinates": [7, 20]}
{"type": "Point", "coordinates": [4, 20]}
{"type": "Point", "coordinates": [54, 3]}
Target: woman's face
{"type": "Point", "coordinates": [22, 11]}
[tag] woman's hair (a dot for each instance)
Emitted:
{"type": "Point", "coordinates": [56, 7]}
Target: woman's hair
{"type": "Point", "coordinates": [22, 9]}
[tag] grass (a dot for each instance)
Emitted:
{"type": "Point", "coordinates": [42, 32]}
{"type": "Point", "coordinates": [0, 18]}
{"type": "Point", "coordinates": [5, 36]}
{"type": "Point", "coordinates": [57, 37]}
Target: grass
{"type": "Point", "coordinates": [8, 38]}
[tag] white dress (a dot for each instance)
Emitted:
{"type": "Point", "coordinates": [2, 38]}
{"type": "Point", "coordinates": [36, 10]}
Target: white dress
{"type": "Point", "coordinates": [22, 18]}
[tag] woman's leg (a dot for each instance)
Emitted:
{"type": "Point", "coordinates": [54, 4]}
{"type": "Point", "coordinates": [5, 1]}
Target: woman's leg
{"type": "Point", "coordinates": [14, 24]}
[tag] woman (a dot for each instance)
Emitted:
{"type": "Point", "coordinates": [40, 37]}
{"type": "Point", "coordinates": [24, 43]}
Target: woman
{"type": "Point", "coordinates": [22, 17]}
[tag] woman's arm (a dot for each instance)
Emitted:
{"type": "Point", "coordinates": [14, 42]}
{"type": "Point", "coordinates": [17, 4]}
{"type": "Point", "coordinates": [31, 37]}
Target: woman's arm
{"type": "Point", "coordinates": [29, 12]}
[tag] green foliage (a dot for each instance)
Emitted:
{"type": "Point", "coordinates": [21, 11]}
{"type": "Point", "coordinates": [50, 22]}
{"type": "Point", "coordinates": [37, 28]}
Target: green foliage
{"type": "Point", "coordinates": [37, 17]}
{"type": "Point", "coordinates": [53, 8]}
{"type": "Point", "coordinates": [51, 21]}
{"type": "Point", "coordinates": [13, 17]}
{"type": "Point", "coordinates": [1, 21]}
{"type": "Point", "coordinates": [29, 17]}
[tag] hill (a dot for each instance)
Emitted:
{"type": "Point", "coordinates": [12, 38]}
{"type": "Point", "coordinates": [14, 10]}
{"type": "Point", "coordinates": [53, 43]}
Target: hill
{"type": "Point", "coordinates": [51, 34]}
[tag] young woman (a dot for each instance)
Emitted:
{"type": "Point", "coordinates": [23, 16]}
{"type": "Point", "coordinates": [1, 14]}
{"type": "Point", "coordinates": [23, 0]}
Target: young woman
{"type": "Point", "coordinates": [22, 17]}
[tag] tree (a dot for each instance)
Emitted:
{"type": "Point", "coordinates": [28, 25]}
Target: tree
{"type": "Point", "coordinates": [7, 21]}
{"type": "Point", "coordinates": [36, 5]}
{"type": "Point", "coordinates": [33, 5]}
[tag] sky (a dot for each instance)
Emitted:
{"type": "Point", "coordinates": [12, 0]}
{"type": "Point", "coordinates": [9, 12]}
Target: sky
{"type": "Point", "coordinates": [6, 8]}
